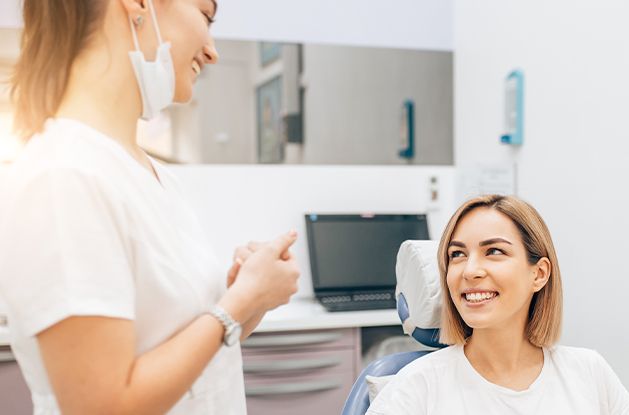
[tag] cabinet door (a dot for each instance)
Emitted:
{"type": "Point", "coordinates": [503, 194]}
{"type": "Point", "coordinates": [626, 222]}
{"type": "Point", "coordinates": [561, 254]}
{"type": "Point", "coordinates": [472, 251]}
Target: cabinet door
{"type": "Point", "coordinates": [15, 398]}
{"type": "Point", "coordinates": [300, 372]}
{"type": "Point", "coordinates": [304, 395]}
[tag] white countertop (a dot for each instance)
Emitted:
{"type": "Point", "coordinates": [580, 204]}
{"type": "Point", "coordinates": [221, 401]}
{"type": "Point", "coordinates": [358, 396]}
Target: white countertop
{"type": "Point", "coordinates": [308, 314]}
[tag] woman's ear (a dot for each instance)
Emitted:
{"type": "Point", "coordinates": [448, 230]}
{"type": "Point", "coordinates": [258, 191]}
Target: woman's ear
{"type": "Point", "coordinates": [136, 9]}
{"type": "Point", "coordinates": [542, 272]}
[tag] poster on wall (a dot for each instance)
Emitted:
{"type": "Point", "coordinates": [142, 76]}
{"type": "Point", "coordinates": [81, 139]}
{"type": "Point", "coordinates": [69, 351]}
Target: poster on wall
{"type": "Point", "coordinates": [269, 123]}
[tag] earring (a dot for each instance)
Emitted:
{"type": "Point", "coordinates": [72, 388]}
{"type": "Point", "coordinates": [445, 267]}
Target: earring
{"type": "Point", "coordinates": [138, 21]}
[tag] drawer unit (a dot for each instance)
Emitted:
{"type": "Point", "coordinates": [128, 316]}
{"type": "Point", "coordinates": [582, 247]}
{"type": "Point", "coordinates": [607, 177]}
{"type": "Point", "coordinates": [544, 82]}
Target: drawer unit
{"type": "Point", "coordinates": [15, 398]}
{"type": "Point", "coordinates": [300, 394]}
{"type": "Point", "coordinates": [305, 372]}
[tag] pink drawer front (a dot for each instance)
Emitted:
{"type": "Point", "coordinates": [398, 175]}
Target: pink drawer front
{"type": "Point", "coordinates": [304, 395]}
{"type": "Point", "coordinates": [282, 367]}
{"type": "Point", "coordinates": [15, 398]}
{"type": "Point", "coordinates": [263, 342]}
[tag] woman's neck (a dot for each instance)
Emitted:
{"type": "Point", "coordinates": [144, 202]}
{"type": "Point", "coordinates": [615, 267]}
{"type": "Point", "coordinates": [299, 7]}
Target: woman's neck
{"type": "Point", "coordinates": [504, 357]}
{"type": "Point", "coordinates": [102, 98]}
{"type": "Point", "coordinates": [102, 91]}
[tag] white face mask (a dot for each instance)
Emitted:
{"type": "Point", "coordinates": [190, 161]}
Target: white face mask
{"type": "Point", "coordinates": [156, 79]}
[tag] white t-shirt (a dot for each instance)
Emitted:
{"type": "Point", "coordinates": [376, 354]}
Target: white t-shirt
{"type": "Point", "coordinates": [85, 230]}
{"type": "Point", "coordinates": [573, 381]}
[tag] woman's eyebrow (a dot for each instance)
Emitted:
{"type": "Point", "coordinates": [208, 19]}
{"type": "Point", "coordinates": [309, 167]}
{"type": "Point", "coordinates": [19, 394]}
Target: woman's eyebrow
{"type": "Point", "coordinates": [494, 241]}
{"type": "Point", "coordinates": [456, 243]}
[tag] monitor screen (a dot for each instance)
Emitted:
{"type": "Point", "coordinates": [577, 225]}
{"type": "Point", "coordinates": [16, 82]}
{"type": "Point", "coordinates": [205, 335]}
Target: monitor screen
{"type": "Point", "coordinates": [358, 251]}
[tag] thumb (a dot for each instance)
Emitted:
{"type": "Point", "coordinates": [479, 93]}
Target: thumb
{"type": "Point", "coordinates": [283, 242]}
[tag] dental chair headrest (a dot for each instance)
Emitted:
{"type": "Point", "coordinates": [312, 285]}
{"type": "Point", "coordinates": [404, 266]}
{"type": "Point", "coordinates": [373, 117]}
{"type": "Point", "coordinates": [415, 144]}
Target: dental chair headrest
{"type": "Point", "coordinates": [418, 291]}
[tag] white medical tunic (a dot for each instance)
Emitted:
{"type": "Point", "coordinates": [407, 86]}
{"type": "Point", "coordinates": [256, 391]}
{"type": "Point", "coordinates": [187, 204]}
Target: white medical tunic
{"type": "Point", "coordinates": [85, 230]}
{"type": "Point", "coordinates": [573, 381]}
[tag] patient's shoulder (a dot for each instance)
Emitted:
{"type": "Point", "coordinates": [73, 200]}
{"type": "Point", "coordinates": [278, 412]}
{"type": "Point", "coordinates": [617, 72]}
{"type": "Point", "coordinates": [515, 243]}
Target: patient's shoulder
{"type": "Point", "coordinates": [577, 361]}
{"type": "Point", "coordinates": [433, 363]}
{"type": "Point", "coordinates": [417, 385]}
{"type": "Point", "coordinates": [568, 356]}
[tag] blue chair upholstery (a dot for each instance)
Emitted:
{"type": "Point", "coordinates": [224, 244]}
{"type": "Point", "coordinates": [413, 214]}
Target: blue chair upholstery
{"type": "Point", "coordinates": [357, 402]}
{"type": "Point", "coordinates": [427, 337]}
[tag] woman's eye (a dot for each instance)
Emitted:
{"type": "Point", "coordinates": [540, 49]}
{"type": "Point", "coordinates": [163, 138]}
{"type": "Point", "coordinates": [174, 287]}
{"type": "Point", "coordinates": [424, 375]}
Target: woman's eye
{"type": "Point", "coordinates": [495, 251]}
{"type": "Point", "coordinates": [456, 254]}
{"type": "Point", "coordinates": [208, 18]}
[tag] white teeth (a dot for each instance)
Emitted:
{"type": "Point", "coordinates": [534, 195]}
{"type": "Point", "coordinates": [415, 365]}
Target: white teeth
{"type": "Point", "coordinates": [195, 67]}
{"type": "Point", "coordinates": [477, 297]}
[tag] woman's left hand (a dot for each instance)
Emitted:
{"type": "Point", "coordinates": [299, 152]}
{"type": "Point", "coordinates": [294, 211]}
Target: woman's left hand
{"type": "Point", "coordinates": [242, 253]}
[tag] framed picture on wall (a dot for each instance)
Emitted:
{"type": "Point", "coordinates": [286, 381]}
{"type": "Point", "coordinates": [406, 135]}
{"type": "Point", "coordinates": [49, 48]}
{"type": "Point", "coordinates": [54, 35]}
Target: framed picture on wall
{"type": "Point", "coordinates": [269, 121]}
{"type": "Point", "coordinates": [269, 52]}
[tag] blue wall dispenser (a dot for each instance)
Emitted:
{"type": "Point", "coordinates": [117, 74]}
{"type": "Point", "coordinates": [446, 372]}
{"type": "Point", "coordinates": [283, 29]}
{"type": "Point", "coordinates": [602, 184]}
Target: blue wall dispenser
{"type": "Point", "coordinates": [514, 109]}
{"type": "Point", "coordinates": [406, 148]}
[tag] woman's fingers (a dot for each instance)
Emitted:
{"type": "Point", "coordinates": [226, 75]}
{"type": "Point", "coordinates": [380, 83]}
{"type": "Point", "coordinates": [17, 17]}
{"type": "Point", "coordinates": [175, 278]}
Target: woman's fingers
{"type": "Point", "coordinates": [286, 255]}
{"type": "Point", "coordinates": [233, 272]}
{"type": "Point", "coordinates": [253, 246]}
{"type": "Point", "coordinates": [242, 253]}
{"type": "Point", "coordinates": [282, 244]}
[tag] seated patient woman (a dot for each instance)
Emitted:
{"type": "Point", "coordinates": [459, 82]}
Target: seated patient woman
{"type": "Point", "coordinates": [502, 305]}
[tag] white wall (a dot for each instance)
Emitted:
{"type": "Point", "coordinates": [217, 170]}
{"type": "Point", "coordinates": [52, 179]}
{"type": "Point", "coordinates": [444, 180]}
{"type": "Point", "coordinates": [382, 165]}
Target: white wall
{"type": "Point", "coordinates": [415, 24]}
{"type": "Point", "coordinates": [10, 13]}
{"type": "Point", "coordinates": [239, 203]}
{"type": "Point", "coordinates": [574, 163]}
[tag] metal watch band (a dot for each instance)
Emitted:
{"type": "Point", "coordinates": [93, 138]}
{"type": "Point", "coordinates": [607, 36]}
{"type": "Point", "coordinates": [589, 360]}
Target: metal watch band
{"type": "Point", "coordinates": [223, 316]}
{"type": "Point", "coordinates": [232, 327]}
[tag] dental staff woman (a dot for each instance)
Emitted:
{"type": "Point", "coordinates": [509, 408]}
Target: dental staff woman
{"type": "Point", "coordinates": [502, 305]}
{"type": "Point", "coordinates": [116, 304]}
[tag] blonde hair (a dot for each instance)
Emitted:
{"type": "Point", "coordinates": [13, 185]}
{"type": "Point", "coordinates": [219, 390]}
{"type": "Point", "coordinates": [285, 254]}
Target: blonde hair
{"type": "Point", "coordinates": [545, 312]}
{"type": "Point", "coordinates": [55, 33]}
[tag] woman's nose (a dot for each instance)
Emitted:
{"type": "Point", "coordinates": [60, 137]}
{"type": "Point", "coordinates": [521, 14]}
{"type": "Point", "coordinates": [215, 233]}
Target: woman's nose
{"type": "Point", "coordinates": [210, 54]}
{"type": "Point", "coordinates": [474, 269]}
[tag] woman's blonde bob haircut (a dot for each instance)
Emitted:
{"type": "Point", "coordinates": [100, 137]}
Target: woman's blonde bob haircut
{"type": "Point", "coordinates": [545, 312]}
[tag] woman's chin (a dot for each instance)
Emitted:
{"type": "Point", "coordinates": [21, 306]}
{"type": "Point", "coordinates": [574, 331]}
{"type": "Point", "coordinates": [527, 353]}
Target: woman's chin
{"type": "Point", "coordinates": [183, 94]}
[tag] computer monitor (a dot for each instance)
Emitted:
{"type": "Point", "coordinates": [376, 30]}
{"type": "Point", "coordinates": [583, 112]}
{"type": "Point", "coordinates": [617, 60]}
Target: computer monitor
{"type": "Point", "coordinates": [352, 256]}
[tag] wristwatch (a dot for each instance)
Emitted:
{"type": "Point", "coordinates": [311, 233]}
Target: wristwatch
{"type": "Point", "coordinates": [232, 327]}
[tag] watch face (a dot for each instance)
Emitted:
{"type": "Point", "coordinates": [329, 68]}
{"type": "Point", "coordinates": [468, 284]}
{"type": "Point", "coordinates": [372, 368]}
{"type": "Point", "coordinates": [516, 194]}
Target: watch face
{"type": "Point", "coordinates": [233, 335]}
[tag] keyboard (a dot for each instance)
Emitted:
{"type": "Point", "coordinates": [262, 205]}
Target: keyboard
{"type": "Point", "coordinates": [358, 301]}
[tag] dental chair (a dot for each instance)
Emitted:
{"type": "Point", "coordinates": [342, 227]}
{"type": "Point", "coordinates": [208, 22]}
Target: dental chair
{"type": "Point", "coordinates": [419, 308]}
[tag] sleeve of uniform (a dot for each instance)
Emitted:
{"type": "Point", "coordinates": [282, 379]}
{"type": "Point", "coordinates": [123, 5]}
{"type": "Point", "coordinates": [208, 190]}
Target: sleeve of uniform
{"type": "Point", "coordinates": [614, 395]}
{"type": "Point", "coordinates": [63, 250]}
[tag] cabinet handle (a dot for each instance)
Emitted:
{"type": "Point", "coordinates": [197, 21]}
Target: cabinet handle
{"type": "Point", "coordinates": [287, 365]}
{"type": "Point", "coordinates": [288, 388]}
{"type": "Point", "coordinates": [291, 340]}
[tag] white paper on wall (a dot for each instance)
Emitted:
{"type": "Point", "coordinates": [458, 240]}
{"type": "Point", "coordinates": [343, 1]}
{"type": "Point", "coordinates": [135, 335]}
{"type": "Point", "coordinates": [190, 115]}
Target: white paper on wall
{"type": "Point", "coordinates": [481, 179]}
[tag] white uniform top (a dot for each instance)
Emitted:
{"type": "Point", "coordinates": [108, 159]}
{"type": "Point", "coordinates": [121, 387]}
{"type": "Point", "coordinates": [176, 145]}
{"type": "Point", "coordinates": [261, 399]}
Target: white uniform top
{"type": "Point", "coordinates": [85, 230]}
{"type": "Point", "coordinates": [573, 381]}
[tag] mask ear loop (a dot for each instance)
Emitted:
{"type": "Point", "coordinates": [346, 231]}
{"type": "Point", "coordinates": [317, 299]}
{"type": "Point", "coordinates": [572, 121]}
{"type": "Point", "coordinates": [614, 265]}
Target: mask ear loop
{"type": "Point", "coordinates": [135, 35]}
{"type": "Point", "coordinates": [155, 26]}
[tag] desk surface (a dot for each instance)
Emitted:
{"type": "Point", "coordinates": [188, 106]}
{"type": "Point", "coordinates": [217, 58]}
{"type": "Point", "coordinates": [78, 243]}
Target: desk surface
{"type": "Point", "coordinates": [304, 314]}
{"type": "Point", "coordinates": [308, 314]}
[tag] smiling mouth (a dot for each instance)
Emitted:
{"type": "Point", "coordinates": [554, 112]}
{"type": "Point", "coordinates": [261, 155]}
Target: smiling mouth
{"type": "Point", "coordinates": [479, 297]}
